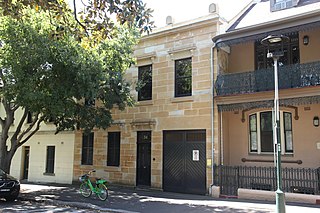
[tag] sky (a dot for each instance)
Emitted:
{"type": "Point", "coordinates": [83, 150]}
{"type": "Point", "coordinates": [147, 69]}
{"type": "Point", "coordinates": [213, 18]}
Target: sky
{"type": "Point", "coordinates": [183, 10]}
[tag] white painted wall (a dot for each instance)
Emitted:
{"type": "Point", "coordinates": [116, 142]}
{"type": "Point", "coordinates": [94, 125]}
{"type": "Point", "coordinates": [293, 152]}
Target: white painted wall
{"type": "Point", "coordinates": [64, 155]}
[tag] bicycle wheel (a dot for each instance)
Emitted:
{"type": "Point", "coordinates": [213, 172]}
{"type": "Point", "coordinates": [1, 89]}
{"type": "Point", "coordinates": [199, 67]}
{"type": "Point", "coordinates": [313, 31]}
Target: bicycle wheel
{"type": "Point", "coordinates": [85, 189]}
{"type": "Point", "coordinates": [102, 192]}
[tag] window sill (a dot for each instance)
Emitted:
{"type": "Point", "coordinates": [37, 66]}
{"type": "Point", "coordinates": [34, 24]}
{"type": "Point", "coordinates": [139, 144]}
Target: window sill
{"type": "Point", "coordinates": [113, 168]}
{"type": "Point", "coordinates": [270, 153]}
{"type": "Point", "coordinates": [49, 174]}
{"type": "Point", "coordinates": [145, 103]}
{"type": "Point", "coordinates": [182, 99]}
{"type": "Point", "coordinates": [261, 160]}
{"type": "Point", "coordinates": [86, 165]}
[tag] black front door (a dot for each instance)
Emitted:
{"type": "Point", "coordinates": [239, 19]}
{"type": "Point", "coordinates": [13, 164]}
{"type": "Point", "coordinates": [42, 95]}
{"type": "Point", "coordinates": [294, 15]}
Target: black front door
{"type": "Point", "coordinates": [26, 154]}
{"type": "Point", "coordinates": [184, 161]}
{"type": "Point", "coordinates": [144, 158]}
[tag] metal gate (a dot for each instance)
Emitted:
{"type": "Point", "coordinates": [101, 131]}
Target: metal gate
{"type": "Point", "coordinates": [184, 161]}
{"type": "Point", "coordinates": [229, 181]}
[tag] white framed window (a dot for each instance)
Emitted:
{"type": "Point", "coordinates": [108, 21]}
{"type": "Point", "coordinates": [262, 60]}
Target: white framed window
{"type": "Point", "coordinates": [261, 132]}
{"type": "Point", "coordinates": [276, 5]}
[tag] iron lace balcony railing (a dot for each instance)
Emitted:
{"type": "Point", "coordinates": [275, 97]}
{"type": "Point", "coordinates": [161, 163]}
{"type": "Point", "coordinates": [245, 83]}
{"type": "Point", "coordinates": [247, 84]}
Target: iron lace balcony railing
{"type": "Point", "coordinates": [290, 76]}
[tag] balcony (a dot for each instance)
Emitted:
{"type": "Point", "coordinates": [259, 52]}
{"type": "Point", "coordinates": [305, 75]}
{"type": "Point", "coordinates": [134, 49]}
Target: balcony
{"type": "Point", "coordinates": [290, 76]}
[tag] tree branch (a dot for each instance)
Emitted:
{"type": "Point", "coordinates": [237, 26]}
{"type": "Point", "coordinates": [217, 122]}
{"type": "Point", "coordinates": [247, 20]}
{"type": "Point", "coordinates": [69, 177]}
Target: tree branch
{"type": "Point", "coordinates": [9, 112]}
{"type": "Point", "coordinates": [18, 129]}
{"type": "Point", "coordinates": [32, 132]}
{"type": "Point", "coordinates": [76, 18]}
{"type": "Point", "coordinates": [27, 130]}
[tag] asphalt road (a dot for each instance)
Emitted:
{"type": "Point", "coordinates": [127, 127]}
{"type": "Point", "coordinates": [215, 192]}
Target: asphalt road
{"type": "Point", "coordinates": [156, 206]}
{"type": "Point", "coordinates": [128, 200]}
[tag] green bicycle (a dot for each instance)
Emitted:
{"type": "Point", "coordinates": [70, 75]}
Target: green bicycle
{"type": "Point", "coordinates": [86, 187]}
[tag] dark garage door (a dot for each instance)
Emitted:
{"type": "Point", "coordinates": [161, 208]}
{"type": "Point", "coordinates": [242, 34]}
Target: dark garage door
{"type": "Point", "coordinates": [184, 161]}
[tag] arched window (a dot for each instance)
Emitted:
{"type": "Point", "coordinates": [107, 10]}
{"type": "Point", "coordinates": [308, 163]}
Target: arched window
{"type": "Point", "coordinates": [261, 132]}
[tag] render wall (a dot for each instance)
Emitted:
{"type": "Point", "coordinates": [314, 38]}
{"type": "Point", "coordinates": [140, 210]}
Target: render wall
{"type": "Point", "coordinates": [64, 149]}
{"type": "Point", "coordinates": [305, 139]}
{"type": "Point", "coordinates": [310, 52]}
{"type": "Point", "coordinates": [241, 58]}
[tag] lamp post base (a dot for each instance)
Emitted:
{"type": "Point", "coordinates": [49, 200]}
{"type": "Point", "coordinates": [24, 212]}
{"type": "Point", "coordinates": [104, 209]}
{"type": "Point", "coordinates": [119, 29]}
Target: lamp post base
{"type": "Point", "coordinates": [280, 202]}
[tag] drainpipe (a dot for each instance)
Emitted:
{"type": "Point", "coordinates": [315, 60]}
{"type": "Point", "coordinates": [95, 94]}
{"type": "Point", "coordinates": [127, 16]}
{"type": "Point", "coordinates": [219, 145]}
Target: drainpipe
{"type": "Point", "coordinates": [221, 141]}
{"type": "Point", "coordinates": [212, 113]}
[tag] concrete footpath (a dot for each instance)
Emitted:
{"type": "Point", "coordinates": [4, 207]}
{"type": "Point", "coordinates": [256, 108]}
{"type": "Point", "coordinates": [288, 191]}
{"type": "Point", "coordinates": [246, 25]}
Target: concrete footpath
{"type": "Point", "coordinates": [128, 200]}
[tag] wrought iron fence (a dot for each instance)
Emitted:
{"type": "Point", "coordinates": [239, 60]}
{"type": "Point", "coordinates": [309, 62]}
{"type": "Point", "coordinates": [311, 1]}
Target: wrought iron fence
{"type": "Point", "coordinates": [290, 76]}
{"type": "Point", "coordinates": [295, 180]}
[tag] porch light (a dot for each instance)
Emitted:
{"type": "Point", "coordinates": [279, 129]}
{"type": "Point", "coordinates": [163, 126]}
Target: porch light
{"type": "Point", "coordinates": [277, 42]}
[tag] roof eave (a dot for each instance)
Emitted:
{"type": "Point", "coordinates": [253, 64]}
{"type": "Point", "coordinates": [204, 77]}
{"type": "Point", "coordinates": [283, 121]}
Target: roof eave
{"type": "Point", "coordinates": [279, 24]}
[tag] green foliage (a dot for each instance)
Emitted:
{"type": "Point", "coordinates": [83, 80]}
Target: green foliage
{"type": "Point", "coordinates": [52, 76]}
{"type": "Point", "coordinates": [53, 61]}
{"type": "Point", "coordinates": [95, 19]}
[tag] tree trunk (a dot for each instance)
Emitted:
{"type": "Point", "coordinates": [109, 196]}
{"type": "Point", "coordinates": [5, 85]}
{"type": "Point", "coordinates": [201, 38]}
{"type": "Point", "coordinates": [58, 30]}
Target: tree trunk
{"type": "Point", "coordinates": [5, 155]}
{"type": "Point", "coordinates": [5, 159]}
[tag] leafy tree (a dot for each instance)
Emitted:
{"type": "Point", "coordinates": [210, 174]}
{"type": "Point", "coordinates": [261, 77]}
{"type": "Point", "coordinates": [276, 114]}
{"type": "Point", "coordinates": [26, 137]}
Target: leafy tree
{"type": "Point", "coordinates": [50, 68]}
{"type": "Point", "coordinates": [96, 17]}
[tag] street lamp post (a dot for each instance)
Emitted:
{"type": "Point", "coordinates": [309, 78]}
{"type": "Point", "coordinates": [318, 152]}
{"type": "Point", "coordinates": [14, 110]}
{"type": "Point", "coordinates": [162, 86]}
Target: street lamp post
{"type": "Point", "coordinates": [276, 43]}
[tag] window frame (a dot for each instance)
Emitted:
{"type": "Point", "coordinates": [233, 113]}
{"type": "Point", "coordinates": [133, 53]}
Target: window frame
{"type": "Point", "coordinates": [266, 131]}
{"type": "Point", "coordinates": [284, 142]}
{"type": "Point", "coordinates": [50, 159]}
{"type": "Point", "coordinates": [87, 149]}
{"type": "Point", "coordinates": [113, 149]}
{"type": "Point", "coordinates": [148, 85]}
{"type": "Point", "coordinates": [277, 5]}
{"type": "Point", "coordinates": [287, 150]}
{"type": "Point", "coordinates": [255, 130]}
{"type": "Point", "coordinates": [183, 77]}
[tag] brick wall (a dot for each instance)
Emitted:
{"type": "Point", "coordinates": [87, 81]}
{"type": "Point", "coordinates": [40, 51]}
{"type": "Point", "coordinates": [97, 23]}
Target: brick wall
{"type": "Point", "coordinates": [164, 111]}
